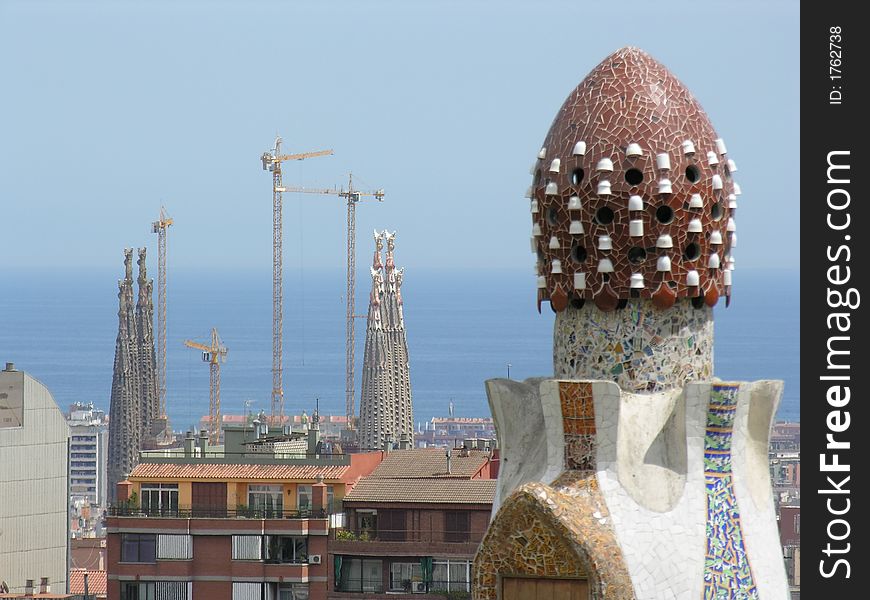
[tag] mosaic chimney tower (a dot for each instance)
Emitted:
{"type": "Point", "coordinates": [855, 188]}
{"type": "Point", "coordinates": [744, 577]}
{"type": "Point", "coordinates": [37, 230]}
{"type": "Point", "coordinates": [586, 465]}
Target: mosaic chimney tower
{"type": "Point", "coordinates": [650, 479]}
{"type": "Point", "coordinates": [145, 348]}
{"type": "Point", "coordinates": [385, 403]}
{"type": "Point", "coordinates": [125, 414]}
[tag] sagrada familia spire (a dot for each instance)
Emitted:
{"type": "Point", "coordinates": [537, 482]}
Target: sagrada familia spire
{"type": "Point", "coordinates": [386, 412]}
{"type": "Point", "coordinates": [133, 408]}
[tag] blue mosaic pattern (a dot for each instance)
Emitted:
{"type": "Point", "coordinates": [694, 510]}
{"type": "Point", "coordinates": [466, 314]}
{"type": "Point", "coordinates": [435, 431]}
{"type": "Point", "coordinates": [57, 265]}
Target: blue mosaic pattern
{"type": "Point", "coordinates": [727, 574]}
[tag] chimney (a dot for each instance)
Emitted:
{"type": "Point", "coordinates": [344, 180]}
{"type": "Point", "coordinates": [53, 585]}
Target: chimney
{"type": "Point", "coordinates": [319, 502]}
{"type": "Point", "coordinates": [448, 454]}
{"type": "Point", "coordinates": [123, 491]}
{"type": "Point", "coordinates": [404, 442]}
{"type": "Point", "coordinates": [10, 367]}
{"type": "Point", "coordinates": [44, 588]}
{"type": "Point", "coordinates": [86, 577]}
{"type": "Point", "coordinates": [28, 586]}
{"type": "Point", "coordinates": [313, 438]}
{"type": "Point", "coordinates": [202, 442]}
{"type": "Point", "coordinates": [188, 445]}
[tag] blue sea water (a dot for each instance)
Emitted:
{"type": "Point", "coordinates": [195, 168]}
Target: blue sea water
{"type": "Point", "coordinates": [463, 328]}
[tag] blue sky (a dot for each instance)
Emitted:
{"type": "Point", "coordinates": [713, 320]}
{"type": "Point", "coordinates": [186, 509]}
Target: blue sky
{"type": "Point", "coordinates": [111, 108]}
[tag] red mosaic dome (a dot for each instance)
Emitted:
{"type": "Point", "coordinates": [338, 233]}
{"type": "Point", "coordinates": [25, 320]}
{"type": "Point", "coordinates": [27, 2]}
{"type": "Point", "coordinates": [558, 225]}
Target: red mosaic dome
{"type": "Point", "coordinates": [632, 193]}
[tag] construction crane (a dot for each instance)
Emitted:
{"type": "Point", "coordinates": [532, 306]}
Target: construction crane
{"type": "Point", "coordinates": [272, 160]}
{"type": "Point", "coordinates": [214, 355]}
{"type": "Point", "coordinates": [160, 227]}
{"type": "Point", "coordinates": [353, 197]}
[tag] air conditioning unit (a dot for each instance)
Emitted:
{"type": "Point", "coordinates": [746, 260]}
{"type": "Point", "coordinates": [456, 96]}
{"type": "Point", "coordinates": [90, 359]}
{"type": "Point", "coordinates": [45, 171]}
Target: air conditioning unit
{"type": "Point", "coordinates": [314, 559]}
{"type": "Point", "coordinates": [418, 587]}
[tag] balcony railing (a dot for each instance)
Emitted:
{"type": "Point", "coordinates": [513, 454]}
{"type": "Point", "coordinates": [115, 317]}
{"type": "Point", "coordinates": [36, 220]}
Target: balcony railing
{"type": "Point", "coordinates": [463, 536]}
{"type": "Point", "coordinates": [187, 512]}
{"type": "Point", "coordinates": [452, 589]}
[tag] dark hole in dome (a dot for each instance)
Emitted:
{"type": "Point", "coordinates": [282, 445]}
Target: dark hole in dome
{"type": "Point", "coordinates": [552, 216]}
{"type": "Point", "coordinates": [692, 251]}
{"type": "Point", "coordinates": [672, 284]}
{"type": "Point", "coordinates": [664, 214]}
{"type": "Point", "coordinates": [577, 176]}
{"type": "Point", "coordinates": [698, 302]}
{"type": "Point", "coordinates": [716, 211]}
{"type": "Point", "coordinates": [579, 253]}
{"type": "Point", "coordinates": [604, 216]}
{"type": "Point", "coordinates": [634, 176]}
{"type": "Point", "coordinates": [636, 255]}
{"type": "Point", "coordinates": [537, 177]}
{"type": "Point", "coordinates": [605, 277]}
{"type": "Point", "coordinates": [634, 293]}
{"type": "Point", "coordinates": [693, 174]}
{"type": "Point", "coordinates": [623, 302]}
{"type": "Point", "coordinates": [577, 302]}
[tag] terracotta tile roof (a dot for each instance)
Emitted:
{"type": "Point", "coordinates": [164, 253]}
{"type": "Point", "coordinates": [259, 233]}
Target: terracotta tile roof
{"type": "Point", "coordinates": [96, 582]}
{"type": "Point", "coordinates": [430, 462]}
{"type": "Point", "coordinates": [237, 472]}
{"type": "Point", "coordinates": [440, 491]}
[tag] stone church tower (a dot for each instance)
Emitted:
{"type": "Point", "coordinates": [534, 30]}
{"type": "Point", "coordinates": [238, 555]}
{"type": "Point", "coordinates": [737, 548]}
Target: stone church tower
{"type": "Point", "coordinates": [633, 473]}
{"type": "Point", "coordinates": [386, 412]}
{"type": "Point", "coordinates": [133, 405]}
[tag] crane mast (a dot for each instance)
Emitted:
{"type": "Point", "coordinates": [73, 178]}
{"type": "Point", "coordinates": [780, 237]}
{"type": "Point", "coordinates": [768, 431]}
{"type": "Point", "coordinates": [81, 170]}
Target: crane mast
{"type": "Point", "coordinates": [353, 197]}
{"type": "Point", "coordinates": [214, 354]}
{"type": "Point", "coordinates": [272, 160]}
{"type": "Point", "coordinates": [160, 227]}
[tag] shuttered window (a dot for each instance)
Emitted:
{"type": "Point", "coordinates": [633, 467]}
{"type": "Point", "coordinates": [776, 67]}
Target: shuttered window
{"type": "Point", "coordinates": [247, 591]}
{"type": "Point", "coordinates": [174, 547]}
{"type": "Point", "coordinates": [174, 590]}
{"type": "Point", "coordinates": [247, 547]}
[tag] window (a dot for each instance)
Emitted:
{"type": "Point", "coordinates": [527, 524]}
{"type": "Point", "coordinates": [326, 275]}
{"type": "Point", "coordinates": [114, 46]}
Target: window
{"type": "Point", "coordinates": [403, 574]}
{"type": "Point", "coordinates": [330, 499]}
{"type": "Point", "coordinates": [451, 575]}
{"type": "Point", "coordinates": [138, 547]}
{"type": "Point", "coordinates": [247, 547]}
{"type": "Point", "coordinates": [367, 523]}
{"type": "Point", "coordinates": [797, 524]}
{"type": "Point", "coordinates": [269, 591]}
{"type": "Point", "coordinates": [361, 575]}
{"type": "Point", "coordinates": [247, 591]}
{"type": "Point", "coordinates": [174, 547]}
{"type": "Point", "coordinates": [286, 549]}
{"type": "Point", "coordinates": [303, 497]}
{"type": "Point", "coordinates": [391, 525]}
{"type": "Point", "coordinates": [266, 500]}
{"type": "Point", "coordinates": [457, 526]}
{"type": "Point", "coordinates": [293, 591]}
{"type": "Point", "coordinates": [159, 498]}
{"type": "Point", "coordinates": [174, 590]}
{"type": "Point", "coordinates": [140, 590]}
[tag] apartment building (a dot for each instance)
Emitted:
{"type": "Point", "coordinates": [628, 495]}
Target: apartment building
{"type": "Point", "coordinates": [248, 520]}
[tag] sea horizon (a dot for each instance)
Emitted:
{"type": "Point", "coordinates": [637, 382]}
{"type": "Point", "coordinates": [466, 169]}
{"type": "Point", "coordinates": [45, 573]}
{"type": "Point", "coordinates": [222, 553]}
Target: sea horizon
{"type": "Point", "coordinates": [463, 327]}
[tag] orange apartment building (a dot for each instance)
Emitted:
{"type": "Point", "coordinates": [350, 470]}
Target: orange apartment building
{"type": "Point", "coordinates": [248, 520]}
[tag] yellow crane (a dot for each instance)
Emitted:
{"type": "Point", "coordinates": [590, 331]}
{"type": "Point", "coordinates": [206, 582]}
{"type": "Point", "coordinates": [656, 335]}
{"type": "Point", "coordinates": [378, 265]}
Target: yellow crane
{"type": "Point", "coordinates": [214, 355]}
{"type": "Point", "coordinates": [353, 197]}
{"type": "Point", "coordinates": [272, 160]}
{"type": "Point", "coordinates": [160, 227]}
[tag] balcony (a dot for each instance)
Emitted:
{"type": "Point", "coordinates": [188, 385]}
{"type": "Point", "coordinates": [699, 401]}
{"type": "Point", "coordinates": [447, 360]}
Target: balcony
{"type": "Point", "coordinates": [404, 542]}
{"type": "Point", "coordinates": [209, 512]}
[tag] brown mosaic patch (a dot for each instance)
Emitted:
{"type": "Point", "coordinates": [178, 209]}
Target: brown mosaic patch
{"type": "Point", "coordinates": [578, 422]}
{"type": "Point", "coordinates": [545, 532]}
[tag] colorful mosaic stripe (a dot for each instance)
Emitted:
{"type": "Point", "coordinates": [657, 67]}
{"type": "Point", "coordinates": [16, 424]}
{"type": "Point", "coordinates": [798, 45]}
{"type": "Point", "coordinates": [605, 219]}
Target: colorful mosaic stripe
{"type": "Point", "coordinates": [727, 574]}
{"type": "Point", "coordinates": [578, 421]}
